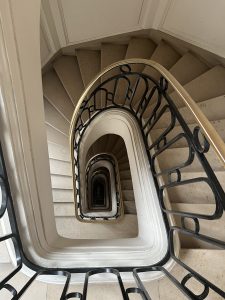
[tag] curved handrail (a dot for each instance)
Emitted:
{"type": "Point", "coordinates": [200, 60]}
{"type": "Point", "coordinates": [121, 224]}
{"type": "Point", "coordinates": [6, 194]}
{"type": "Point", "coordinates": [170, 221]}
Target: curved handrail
{"type": "Point", "coordinates": [208, 130]}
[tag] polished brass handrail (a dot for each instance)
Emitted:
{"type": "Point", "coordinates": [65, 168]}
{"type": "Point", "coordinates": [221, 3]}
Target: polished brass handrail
{"type": "Point", "coordinates": [207, 128]}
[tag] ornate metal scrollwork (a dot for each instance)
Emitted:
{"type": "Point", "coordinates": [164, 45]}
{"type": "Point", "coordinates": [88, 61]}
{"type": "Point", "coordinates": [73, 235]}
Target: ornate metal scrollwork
{"type": "Point", "coordinates": [147, 100]}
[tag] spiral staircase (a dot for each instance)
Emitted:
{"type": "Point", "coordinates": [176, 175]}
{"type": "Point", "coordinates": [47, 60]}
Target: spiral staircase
{"type": "Point", "coordinates": [64, 81]}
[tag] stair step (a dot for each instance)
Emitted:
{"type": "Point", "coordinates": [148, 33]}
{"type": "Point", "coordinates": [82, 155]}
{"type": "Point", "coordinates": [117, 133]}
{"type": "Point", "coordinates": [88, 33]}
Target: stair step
{"type": "Point", "coordinates": [208, 85]}
{"type": "Point", "coordinates": [100, 145]}
{"type": "Point", "coordinates": [62, 195]}
{"type": "Point", "coordinates": [58, 152]}
{"type": "Point", "coordinates": [90, 154]}
{"type": "Point", "coordinates": [70, 227]}
{"type": "Point", "coordinates": [126, 184]}
{"type": "Point", "coordinates": [4, 255]}
{"type": "Point", "coordinates": [209, 263]}
{"type": "Point", "coordinates": [111, 53]}
{"type": "Point", "coordinates": [68, 70]}
{"type": "Point", "coordinates": [219, 126]}
{"type": "Point", "coordinates": [54, 136]}
{"type": "Point", "coordinates": [55, 119]}
{"type": "Point", "coordinates": [129, 207]}
{"type": "Point", "coordinates": [38, 290]}
{"type": "Point", "coordinates": [165, 55]}
{"type": "Point", "coordinates": [125, 174]}
{"type": "Point", "coordinates": [187, 68]}
{"type": "Point", "coordinates": [56, 94]}
{"type": "Point", "coordinates": [174, 157]}
{"type": "Point", "coordinates": [62, 182]}
{"type": "Point", "coordinates": [122, 156]}
{"type": "Point", "coordinates": [64, 210]}
{"type": "Point", "coordinates": [123, 160]}
{"type": "Point", "coordinates": [59, 167]}
{"type": "Point", "coordinates": [137, 48]}
{"type": "Point", "coordinates": [213, 109]}
{"type": "Point", "coordinates": [122, 152]}
{"type": "Point", "coordinates": [111, 142]}
{"type": "Point", "coordinates": [128, 195]}
{"type": "Point", "coordinates": [119, 144]}
{"type": "Point", "coordinates": [90, 64]}
{"type": "Point", "coordinates": [140, 48]}
{"type": "Point", "coordinates": [124, 165]}
{"type": "Point", "coordinates": [211, 228]}
{"type": "Point", "coordinates": [198, 193]}
{"type": "Point", "coordinates": [68, 210]}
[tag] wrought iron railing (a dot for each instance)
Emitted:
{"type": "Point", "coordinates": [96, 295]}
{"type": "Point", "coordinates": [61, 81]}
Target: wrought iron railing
{"type": "Point", "coordinates": [146, 99]}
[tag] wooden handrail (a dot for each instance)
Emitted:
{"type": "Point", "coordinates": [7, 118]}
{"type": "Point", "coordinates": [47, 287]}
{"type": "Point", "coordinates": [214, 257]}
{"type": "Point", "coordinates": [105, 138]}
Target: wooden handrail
{"type": "Point", "coordinates": [207, 128]}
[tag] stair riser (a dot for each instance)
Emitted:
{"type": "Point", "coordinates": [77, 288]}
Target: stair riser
{"type": "Point", "coordinates": [58, 152]}
{"type": "Point", "coordinates": [210, 228]}
{"type": "Point", "coordinates": [62, 182]}
{"type": "Point", "coordinates": [195, 193]}
{"type": "Point", "coordinates": [60, 168]}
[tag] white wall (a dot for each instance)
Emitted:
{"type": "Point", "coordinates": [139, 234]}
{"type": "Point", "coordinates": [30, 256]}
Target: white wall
{"type": "Point", "coordinates": [69, 22]}
{"type": "Point", "coordinates": [199, 22]}
{"type": "Point", "coordinates": [23, 134]}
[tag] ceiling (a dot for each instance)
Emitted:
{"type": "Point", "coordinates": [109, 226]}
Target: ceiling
{"type": "Point", "coordinates": [70, 22]}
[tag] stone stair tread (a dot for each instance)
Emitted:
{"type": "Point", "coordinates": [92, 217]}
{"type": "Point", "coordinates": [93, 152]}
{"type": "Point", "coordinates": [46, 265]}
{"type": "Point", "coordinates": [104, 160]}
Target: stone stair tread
{"type": "Point", "coordinates": [64, 209]}
{"type": "Point", "coordinates": [125, 174]}
{"type": "Point", "coordinates": [121, 152]}
{"type": "Point", "coordinates": [62, 196]}
{"type": "Point", "coordinates": [4, 254]}
{"type": "Point", "coordinates": [187, 68]}
{"type": "Point", "coordinates": [111, 142]}
{"type": "Point", "coordinates": [165, 55]}
{"type": "Point", "coordinates": [58, 152]}
{"type": "Point", "coordinates": [219, 126]}
{"type": "Point", "coordinates": [68, 70]}
{"type": "Point", "coordinates": [211, 228]}
{"type": "Point", "coordinates": [124, 165]}
{"type": "Point", "coordinates": [206, 86]}
{"type": "Point", "coordinates": [62, 182]}
{"type": "Point", "coordinates": [100, 145]}
{"type": "Point", "coordinates": [70, 227]}
{"type": "Point", "coordinates": [90, 64]}
{"type": "Point", "coordinates": [56, 137]}
{"type": "Point", "coordinates": [176, 156]}
{"type": "Point", "coordinates": [123, 160]}
{"type": "Point", "coordinates": [111, 53]}
{"type": "Point", "coordinates": [118, 145]}
{"type": "Point", "coordinates": [137, 48]}
{"type": "Point", "coordinates": [129, 207]}
{"type": "Point", "coordinates": [206, 262]}
{"type": "Point", "coordinates": [59, 167]}
{"type": "Point", "coordinates": [213, 109]}
{"type": "Point", "coordinates": [126, 184]}
{"type": "Point", "coordinates": [55, 119]}
{"type": "Point", "coordinates": [56, 94]}
{"type": "Point", "coordinates": [128, 195]}
{"type": "Point", "coordinates": [140, 48]}
{"type": "Point", "coordinates": [198, 193]}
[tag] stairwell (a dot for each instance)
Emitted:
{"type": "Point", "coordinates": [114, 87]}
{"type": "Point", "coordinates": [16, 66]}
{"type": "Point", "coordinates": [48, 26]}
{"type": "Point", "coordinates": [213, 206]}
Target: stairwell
{"type": "Point", "coordinates": [63, 85]}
